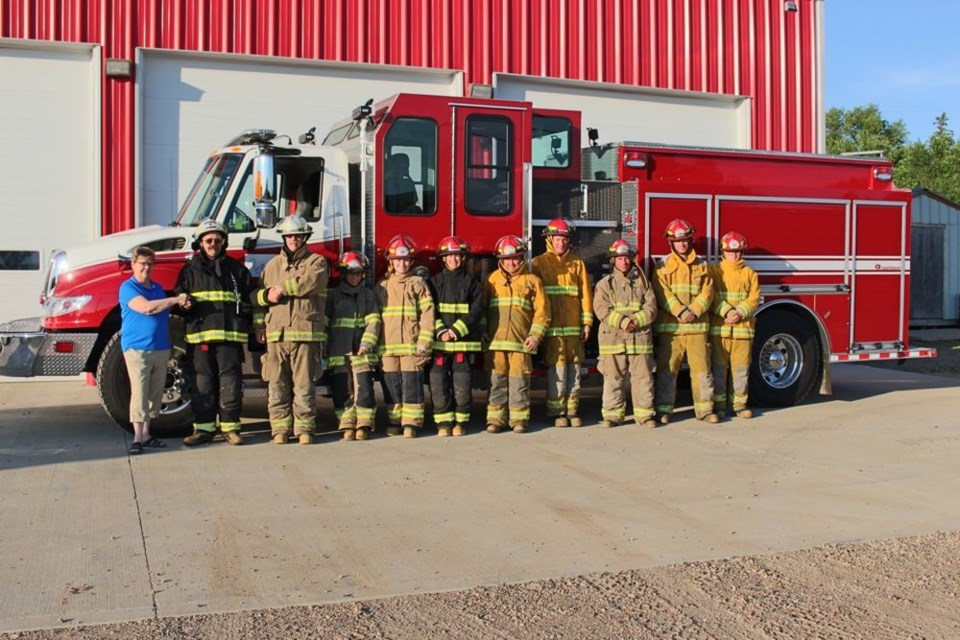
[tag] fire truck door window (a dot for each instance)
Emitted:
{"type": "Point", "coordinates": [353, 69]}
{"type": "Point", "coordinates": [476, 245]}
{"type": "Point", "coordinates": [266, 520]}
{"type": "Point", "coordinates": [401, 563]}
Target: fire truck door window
{"type": "Point", "coordinates": [551, 142]}
{"type": "Point", "coordinates": [489, 165]}
{"type": "Point", "coordinates": [410, 167]}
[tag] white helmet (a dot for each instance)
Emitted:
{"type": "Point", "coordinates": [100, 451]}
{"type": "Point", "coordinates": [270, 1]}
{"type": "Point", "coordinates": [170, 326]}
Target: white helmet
{"type": "Point", "coordinates": [294, 226]}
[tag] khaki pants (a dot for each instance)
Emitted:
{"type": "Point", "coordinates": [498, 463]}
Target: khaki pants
{"type": "Point", "coordinates": [353, 398]}
{"type": "Point", "coordinates": [403, 389]}
{"type": "Point", "coordinates": [731, 371]}
{"type": "Point", "coordinates": [148, 374]}
{"type": "Point", "coordinates": [290, 368]}
{"type": "Point", "coordinates": [618, 370]}
{"type": "Point", "coordinates": [562, 356]}
{"type": "Point", "coordinates": [509, 388]}
{"type": "Point", "coordinates": [671, 349]}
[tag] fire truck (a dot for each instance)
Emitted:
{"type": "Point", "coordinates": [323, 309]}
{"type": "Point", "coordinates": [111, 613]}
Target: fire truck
{"type": "Point", "coordinates": [830, 236]}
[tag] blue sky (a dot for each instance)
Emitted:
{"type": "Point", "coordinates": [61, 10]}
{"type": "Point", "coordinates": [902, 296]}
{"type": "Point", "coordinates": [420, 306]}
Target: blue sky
{"type": "Point", "coordinates": [902, 55]}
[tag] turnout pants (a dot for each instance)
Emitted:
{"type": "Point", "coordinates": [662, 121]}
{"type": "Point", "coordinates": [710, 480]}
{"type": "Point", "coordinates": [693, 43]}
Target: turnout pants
{"type": "Point", "coordinates": [621, 369]}
{"type": "Point", "coordinates": [217, 385]}
{"type": "Point", "coordinates": [731, 369]}
{"type": "Point", "coordinates": [403, 390]}
{"type": "Point", "coordinates": [353, 400]}
{"type": "Point", "coordinates": [671, 349]}
{"type": "Point", "coordinates": [509, 401]}
{"type": "Point", "coordinates": [450, 388]}
{"type": "Point", "coordinates": [562, 356]}
{"type": "Point", "coordinates": [290, 369]}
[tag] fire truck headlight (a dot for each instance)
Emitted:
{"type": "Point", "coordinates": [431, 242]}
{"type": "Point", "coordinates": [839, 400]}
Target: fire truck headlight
{"type": "Point", "coordinates": [62, 305]}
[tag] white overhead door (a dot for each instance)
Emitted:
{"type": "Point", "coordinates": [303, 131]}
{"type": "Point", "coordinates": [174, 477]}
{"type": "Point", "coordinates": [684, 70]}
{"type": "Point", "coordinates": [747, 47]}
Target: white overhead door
{"type": "Point", "coordinates": [49, 160]}
{"type": "Point", "coordinates": [638, 114]}
{"type": "Point", "coordinates": [190, 104]}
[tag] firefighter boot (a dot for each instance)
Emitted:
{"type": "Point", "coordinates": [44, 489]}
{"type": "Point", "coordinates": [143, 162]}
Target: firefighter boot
{"type": "Point", "coordinates": [664, 419]}
{"type": "Point", "coordinates": [459, 429]}
{"type": "Point", "coordinates": [607, 423]}
{"type": "Point", "coordinates": [233, 437]}
{"type": "Point", "coordinates": [575, 421]}
{"type": "Point", "coordinates": [306, 438]}
{"type": "Point", "coordinates": [394, 431]}
{"type": "Point", "coordinates": [363, 433]}
{"type": "Point", "coordinates": [348, 434]}
{"type": "Point", "coordinates": [280, 437]}
{"type": "Point", "coordinates": [519, 427]}
{"type": "Point", "coordinates": [744, 413]}
{"type": "Point", "coordinates": [710, 418]}
{"type": "Point", "coordinates": [561, 421]}
{"type": "Point", "coordinates": [650, 423]}
{"type": "Point", "coordinates": [494, 428]}
{"type": "Point", "coordinates": [409, 432]}
{"type": "Point", "coordinates": [198, 437]}
{"type": "Point", "coordinates": [443, 432]}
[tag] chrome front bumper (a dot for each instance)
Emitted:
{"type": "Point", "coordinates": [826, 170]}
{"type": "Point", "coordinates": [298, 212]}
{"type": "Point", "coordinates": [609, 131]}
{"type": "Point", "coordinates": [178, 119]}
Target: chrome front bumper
{"type": "Point", "coordinates": [27, 350]}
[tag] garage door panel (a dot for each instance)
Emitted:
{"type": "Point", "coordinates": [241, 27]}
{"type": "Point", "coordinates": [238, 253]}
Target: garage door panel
{"type": "Point", "coordinates": [50, 161]}
{"type": "Point", "coordinates": [190, 105]}
{"type": "Point", "coordinates": [636, 113]}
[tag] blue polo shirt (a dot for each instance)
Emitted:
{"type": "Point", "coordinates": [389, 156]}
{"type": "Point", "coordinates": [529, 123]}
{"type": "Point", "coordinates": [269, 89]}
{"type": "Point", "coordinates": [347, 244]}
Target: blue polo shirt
{"type": "Point", "coordinates": [140, 331]}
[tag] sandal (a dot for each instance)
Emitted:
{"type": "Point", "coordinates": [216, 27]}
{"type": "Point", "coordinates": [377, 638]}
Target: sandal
{"type": "Point", "coordinates": [135, 449]}
{"type": "Point", "coordinates": [155, 443]}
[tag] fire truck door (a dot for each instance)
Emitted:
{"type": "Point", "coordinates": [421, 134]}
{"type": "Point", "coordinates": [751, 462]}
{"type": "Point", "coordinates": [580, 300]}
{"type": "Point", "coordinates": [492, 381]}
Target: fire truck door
{"type": "Point", "coordinates": [880, 283]}
{"type": "Point", "coordinates": [489, 154]}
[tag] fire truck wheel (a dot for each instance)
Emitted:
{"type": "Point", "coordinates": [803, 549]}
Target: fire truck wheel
{"type": "Point", "coordinates": [786, 359]}
{"type": "Point", "coordinates": [113, 384]}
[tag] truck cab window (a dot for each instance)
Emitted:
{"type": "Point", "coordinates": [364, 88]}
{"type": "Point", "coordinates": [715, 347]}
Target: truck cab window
{"type": "Point", "coordinates": [489, 165]}
{"type": "Point", "coordinates": [551, 142]}
{"type": "Point", "coordinates": [209, 190]}
{"type": "Point", "coordinates": [300, 189]}
{"type": "Point", "coordinates": [409, 177]}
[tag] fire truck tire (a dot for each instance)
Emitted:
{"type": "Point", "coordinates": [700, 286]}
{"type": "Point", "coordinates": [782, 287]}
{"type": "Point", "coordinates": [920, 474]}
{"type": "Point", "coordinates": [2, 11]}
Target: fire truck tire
{"type": "Point", "coordinates": [113, 384]}
{"type": "Point", "coordinates": [786, 359]}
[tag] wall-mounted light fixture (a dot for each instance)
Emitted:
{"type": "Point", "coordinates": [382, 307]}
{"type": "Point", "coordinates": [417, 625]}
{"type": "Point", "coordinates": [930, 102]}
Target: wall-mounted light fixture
{"type": "Point", "coordinates": [119, 68]}
{"type": "Point", "coordinates": [790, 6]}
{"type": "Point", "coordinates": [481, 91]}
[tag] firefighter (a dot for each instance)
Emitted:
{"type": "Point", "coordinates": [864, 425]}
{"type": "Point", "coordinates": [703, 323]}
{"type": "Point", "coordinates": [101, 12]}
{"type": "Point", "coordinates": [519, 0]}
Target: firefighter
{"type": "Point", "coordinates": [458, 300]}
{"type": "Point", "coordinates": [217, 318]}
{"type": "Point", "coordinates": [732, 326]}
{"type": "Point", "coordinates": [406, 337]}
{"type": "Point", "coordinates": [294, 288]}
{"type": "Point", "coordinates": [353, 321]}
{"type": "Point", "coordinates": [684, 291]}
{"type": "Point", "coordinates": [626, 308]}
{"type": "Point", "coordinates": [567, 284]}
{"type": "Point", "coordinates": [518, 315]}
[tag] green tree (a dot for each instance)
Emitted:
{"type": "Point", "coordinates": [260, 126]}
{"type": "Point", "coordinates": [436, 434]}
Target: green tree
{"type": "Point", "coordinates": [862, 130]}
{"type": "Point", "coordinates": [934, 164]}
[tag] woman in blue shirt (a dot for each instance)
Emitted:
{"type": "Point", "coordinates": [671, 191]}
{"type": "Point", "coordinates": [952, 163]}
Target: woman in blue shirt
{"type": "Point", "coordinates": [145, 340]}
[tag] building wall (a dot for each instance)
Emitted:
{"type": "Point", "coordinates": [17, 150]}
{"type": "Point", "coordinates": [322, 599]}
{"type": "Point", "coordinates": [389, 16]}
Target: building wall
{"type": "Point", "coordinates": [754, 48]}
{"type": "Point", "coordinates": [932, 210]}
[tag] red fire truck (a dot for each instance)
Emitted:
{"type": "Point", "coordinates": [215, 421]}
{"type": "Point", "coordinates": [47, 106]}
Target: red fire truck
{"type": "Point", "coordinates": [830, 237]}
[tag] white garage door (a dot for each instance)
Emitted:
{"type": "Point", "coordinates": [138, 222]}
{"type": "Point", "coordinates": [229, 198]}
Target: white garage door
{"type": "Point", "coordinates": [190, 104]}
{"type": "Point", "coordinates": [638, 114]}
{"type": "Point", "coordinates": [49, 160]}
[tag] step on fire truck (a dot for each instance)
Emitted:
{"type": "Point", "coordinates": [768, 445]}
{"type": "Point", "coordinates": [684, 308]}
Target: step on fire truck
{"type": "Point", "coordinates": [830, 237]}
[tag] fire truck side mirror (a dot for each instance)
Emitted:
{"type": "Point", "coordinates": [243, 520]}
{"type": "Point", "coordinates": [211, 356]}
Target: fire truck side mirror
{"type": "Point", "coordinates": [265, 189]}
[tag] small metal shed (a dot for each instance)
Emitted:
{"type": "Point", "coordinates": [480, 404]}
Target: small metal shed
{"type": "Point", "coordinates": [934, 261]}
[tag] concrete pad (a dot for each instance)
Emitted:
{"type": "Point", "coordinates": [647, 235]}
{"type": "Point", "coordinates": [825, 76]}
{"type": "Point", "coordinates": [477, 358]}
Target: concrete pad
{"type": "Point", "coordinates": [227, 528]}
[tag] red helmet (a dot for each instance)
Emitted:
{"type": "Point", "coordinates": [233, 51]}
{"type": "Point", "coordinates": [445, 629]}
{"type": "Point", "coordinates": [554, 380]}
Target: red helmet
{"type": "Point", "coordinates": [509, 247]}
{"type": "Point", "coordinates": [679, 229]}
{"type": "Point", "coordinates": [557, 227]}
{"type": "Point", "coordinates": [351, 261]}
{"type": "Point", "coordinates": [621, 248]}
{"type": "Point", "coordinates": [401, 246]}
{"type": "Point", "coordinates": [452, 245]}
{"type": "Point", "coordinates": [733, 241]}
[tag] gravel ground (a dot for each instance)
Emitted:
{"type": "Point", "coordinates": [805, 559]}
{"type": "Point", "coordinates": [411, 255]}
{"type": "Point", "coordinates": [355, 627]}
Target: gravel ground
{"type": "Point", "coordinates": [899, 588]}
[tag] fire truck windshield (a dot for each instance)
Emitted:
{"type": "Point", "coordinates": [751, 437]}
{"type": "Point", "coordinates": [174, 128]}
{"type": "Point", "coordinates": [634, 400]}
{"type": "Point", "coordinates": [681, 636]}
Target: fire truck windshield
{"type": "Point", "coordinates": [209, 190]}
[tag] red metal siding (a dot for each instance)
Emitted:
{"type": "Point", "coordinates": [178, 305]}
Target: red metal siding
{"type": "Point", "coordinates": [746, 47]}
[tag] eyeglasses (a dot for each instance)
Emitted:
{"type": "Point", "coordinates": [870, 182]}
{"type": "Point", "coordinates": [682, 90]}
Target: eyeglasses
{"type": "Point", "coordinates": [143, 263]}
{"type": "Point", "coordinates": [213, 240]}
